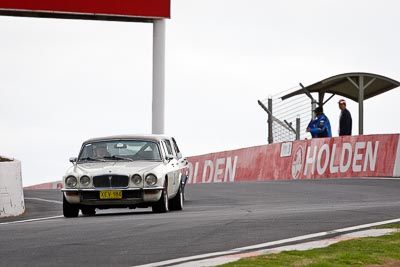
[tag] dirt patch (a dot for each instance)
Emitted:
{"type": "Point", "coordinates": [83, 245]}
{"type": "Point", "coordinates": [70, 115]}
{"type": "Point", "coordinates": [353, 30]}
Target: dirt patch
{"type": "Point", "coordinates": [386, 263]}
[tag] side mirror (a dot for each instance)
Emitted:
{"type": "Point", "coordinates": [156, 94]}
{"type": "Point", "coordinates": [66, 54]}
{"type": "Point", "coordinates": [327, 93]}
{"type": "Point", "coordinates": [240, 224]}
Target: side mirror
{"type": "Point", "coordinates": [169, 157]}
{"type": "Point", "coordinates": [73, 159]}
{"type": "Point", "coordinates": [184, 180]}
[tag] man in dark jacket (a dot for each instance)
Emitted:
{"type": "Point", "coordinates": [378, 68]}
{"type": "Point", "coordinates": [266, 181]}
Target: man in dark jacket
{"type": "Point", "coordinates": [345, 121]}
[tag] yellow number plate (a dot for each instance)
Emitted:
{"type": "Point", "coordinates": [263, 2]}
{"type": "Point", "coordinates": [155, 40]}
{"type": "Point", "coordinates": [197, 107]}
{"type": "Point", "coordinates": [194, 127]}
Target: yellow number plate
{"type": "Point", "coordinates": [111, 194]}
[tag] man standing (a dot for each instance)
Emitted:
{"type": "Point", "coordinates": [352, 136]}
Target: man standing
{"type": "Point", "coordinates": [345, 121]}
{"type": "Point", "coordinates": [320, 126]}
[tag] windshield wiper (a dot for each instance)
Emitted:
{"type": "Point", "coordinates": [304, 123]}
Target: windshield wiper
{"type": "Point", "coordinates": [118, 158]}
{"type": "Point", "coordinates": [89, 158]}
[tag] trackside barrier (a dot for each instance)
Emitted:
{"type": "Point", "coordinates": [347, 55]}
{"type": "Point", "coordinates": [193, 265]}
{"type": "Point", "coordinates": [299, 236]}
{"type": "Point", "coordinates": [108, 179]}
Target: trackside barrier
{"type": "Point", "coordinates": [50, 185]}
{"type": "Point", "coordinates": [11, 193]}
{"type": "Point", "coordinates": [338, 157]}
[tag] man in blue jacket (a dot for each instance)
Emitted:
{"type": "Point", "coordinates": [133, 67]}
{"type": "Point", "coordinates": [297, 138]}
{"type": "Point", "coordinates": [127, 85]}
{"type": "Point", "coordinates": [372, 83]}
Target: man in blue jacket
{"type": "Point", "coordinates": [320, 126]}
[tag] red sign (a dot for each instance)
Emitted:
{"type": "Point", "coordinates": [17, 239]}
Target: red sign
{"type": "Point", "coordinates": [339, 157]}
{"type": "Point", "coordinates": [89, 9]}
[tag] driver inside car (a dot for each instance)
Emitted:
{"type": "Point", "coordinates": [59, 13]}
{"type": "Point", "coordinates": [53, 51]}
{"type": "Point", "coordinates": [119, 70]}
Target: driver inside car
{"type": "Point", "coordinates": [100, 151]}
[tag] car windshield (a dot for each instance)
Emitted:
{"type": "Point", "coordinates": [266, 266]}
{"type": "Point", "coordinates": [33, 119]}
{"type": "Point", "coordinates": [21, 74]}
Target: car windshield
{"type": "Point", "coordinates": [120, 150]}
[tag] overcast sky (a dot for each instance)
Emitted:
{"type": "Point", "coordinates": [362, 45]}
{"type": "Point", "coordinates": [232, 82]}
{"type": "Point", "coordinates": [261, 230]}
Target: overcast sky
{"type": "Point", "coordinates": [64, 81]}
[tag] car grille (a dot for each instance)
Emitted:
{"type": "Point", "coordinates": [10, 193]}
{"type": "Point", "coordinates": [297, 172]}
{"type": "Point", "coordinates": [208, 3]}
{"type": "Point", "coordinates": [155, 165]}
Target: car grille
{"type": "Point", "coordinates": [111, 181]}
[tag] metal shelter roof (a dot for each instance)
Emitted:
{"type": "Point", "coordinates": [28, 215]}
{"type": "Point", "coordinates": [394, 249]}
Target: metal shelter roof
{"type": "Point", "coordinates": [357, 86]}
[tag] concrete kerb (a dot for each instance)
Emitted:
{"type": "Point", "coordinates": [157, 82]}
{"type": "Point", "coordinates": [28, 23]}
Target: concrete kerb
{"type": "Point", "coordinates": [11, 191]}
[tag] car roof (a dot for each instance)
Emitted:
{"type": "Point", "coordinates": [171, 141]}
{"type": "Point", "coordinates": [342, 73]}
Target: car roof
{"type": "Point", "coordinates": [150, 137]}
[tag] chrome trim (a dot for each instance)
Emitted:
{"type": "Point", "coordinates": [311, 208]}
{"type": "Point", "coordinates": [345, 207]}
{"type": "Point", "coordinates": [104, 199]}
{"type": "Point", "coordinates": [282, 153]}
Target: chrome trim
{"type": "Point", "coordinates": [99, 189]}
{"type": "Point", "coordinates": [154, 188]}
{"type": "Point", "coordinates": [108, 188]}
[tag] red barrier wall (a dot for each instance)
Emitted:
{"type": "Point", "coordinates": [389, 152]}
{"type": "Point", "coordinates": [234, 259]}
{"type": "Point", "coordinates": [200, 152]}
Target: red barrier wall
{"type": "Point", "coordinates": [339, 157]}
{"type": "Point", "coordinates": [51, 185]}
{"type": "Point", "coordinates": [124, 8]}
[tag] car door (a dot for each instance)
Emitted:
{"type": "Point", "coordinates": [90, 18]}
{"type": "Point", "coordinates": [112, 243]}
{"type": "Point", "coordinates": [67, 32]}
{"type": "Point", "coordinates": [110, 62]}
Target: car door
{"type": "Point", "coordinates": [182, 161]}
{"type": "Point", "coordinates": [172, 167]}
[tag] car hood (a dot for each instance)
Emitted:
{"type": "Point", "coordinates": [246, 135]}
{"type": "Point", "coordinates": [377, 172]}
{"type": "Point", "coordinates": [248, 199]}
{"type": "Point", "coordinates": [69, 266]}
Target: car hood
{"type": "Point", "coordinates": [117, 167]}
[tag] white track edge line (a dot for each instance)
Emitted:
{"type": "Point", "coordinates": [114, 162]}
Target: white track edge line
{"type": "Point", "coordinates": [33, 220]}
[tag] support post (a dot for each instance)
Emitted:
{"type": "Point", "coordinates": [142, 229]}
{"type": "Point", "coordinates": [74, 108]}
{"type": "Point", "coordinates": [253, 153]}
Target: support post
{"type": "Point", "coordinates": [270, 122]}
{"type": "Point", "coordinates": [298, 127]}
{"type": "Point", "coordinates": [158, 98]}
{"type": "Point", "coordinates": [361, 105]}
{"type": "Point", "coordinates": [313, 106]}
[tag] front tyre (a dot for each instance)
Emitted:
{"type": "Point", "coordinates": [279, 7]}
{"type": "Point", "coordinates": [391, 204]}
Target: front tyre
{"type": "Point", "coordinates": [177, 202]}
{"type": "Point", "coordinates": [69, 210]}
{"type": "Point", "coordinates": [161, 206]}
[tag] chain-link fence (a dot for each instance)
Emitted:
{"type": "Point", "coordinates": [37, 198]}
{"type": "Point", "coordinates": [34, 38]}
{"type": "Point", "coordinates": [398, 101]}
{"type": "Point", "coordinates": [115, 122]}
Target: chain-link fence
{"type": "Point", "coordinates": [287, 119]}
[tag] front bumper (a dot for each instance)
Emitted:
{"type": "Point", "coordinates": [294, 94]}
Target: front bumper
{"type": "Point", "coordinates": [130, 196]}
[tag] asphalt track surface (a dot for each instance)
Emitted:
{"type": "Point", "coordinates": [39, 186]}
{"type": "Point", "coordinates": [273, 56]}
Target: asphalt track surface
{"type": "Point", "coordinates": [216, 217]}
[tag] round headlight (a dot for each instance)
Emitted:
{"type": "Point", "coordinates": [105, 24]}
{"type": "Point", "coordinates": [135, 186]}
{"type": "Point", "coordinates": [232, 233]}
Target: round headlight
{"type": "Point", "coordinates": [136, 179]}
{"type": "Point", "coordinates": [71, 181]}
{"type": "Point", "coordinates": [85, 180]}
{"type": "Point", "coordinates": [151, 179]}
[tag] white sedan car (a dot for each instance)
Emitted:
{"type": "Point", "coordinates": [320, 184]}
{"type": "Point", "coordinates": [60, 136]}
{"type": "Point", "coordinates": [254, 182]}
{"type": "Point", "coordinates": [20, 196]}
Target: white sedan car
{"type": "Point", "coordinates": [129, 171]}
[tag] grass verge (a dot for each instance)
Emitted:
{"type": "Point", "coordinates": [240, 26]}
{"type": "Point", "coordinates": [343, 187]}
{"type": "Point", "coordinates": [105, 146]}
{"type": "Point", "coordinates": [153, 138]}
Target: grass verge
{"type": "Point", "coordinates": [368, 252]}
